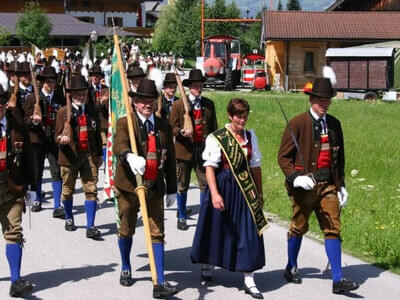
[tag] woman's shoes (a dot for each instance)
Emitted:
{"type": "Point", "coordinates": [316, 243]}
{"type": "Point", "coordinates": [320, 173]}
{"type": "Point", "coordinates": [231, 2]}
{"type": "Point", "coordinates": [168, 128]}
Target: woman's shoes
{"type": "Point", "coordinates": [253, 292]}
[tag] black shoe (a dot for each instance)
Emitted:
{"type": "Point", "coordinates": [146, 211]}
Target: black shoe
{"type": "Point", "coordinates": [292, 275]}
{"type": "Point", "coordinates": [93, 233]}
{"type": "Point", "coordinates": [206, 274]}
{"type": "Point", "coordinates": [253, 291]}
{"type": "Point", "coordinates": [182, 224]}
{"type": "Point", "coordinates": [20, 287]}
{"type": "Point", "coordinates": [162, 291]}
{"type": "Point", "coordinates": [344, 285]}
{"type": "Point", "coordinates": [37, 206]}
{"type": "Point", "coordinates": [70, 225]}
{"type": "Point", "coordinates": [59, 213]}
{"type": "Point", "coordinates": [126, 278]}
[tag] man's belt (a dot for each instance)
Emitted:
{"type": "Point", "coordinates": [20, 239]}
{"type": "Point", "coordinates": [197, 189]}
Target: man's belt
{"type": "Point", "coordinates": [323, 174]}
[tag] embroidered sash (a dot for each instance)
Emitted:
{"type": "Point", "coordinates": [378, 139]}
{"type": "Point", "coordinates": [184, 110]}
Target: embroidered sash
{"type": "Point", "coordinates": [241, 171]}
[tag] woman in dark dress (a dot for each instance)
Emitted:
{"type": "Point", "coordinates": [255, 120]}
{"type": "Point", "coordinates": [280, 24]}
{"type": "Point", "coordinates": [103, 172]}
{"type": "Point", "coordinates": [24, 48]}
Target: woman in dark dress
{"type": "Point", "coordinates": [231, 220]}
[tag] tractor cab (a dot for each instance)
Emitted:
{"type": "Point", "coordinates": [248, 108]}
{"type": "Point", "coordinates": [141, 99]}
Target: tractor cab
{"type": "Point", "coordinates": [220, 61]}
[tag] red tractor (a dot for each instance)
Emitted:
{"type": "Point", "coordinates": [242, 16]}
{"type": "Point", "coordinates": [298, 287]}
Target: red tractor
{"type": "Point", "coordinates": [221, 61]}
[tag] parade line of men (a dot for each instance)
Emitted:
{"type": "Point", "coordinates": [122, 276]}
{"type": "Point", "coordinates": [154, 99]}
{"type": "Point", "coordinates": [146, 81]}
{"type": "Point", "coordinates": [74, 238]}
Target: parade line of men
{"type": "Point", "coordinates": [37, 124]}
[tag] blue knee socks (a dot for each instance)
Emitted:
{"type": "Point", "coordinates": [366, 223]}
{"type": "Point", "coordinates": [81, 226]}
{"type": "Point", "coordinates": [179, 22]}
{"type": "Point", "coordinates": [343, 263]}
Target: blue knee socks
{"type": "Point", "coordinates": [14, 256]}
{"type": "Point", "coordinates": [39, 191]}
{"type": "Point", "coordinates": [158, 249]}
{"type": "Point", "coordinates": [334, 252]}
{"type": "Point", "coordinates": [57, 187]}
{"type": "Point", "coordinates": [125, 246]}
{"type": "Point", "coordinates": [294, 244]}
{"type": "Point", "coordinates": [104, 156]}
{"type": "Point", "coordinates": [90, 207]}
{"type": "Point", "coordinates": [68, 209]}
{"type": "Point", "coordinates": [181, 199]}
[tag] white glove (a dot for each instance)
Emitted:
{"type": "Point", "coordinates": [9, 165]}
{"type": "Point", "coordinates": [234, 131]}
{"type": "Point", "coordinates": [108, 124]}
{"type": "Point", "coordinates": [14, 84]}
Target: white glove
{"type": "Point", "coordinates": [343, 195]}
{"type": "Point", "coordinates": [304, 182]}
{"type": "Point", "coordinates": [30, 198]}
{"type": "Point", "coordinates": [136, 163]}
{"type": "Point", "coordinates": [170, 199]}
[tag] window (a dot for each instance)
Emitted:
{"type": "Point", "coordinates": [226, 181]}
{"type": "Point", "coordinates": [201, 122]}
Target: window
{"type": "Point", "coordinates": [87, 19]}
{"type": "Point", "coordinates": [117, 21]}
{"type": "Point", "coordinates": [309, 62]}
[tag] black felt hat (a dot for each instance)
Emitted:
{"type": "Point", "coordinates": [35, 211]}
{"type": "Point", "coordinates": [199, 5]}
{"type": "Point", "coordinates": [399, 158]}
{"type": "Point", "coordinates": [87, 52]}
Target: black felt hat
{"type": "Point", "coordinates": [322, 87]}
{"type": "Point", "coordinates": [147, 88]}
{"type": "Point", "coordinates": [77, 83]}
{"type": "Point", "coordinates": [95, 70]}
{"type": "Point", "coordinates": [23, 67]}
{"type": "Point", "coordinates": [170, 78]}
{"type": "Point", "coordinates": [195, 75]}
{"type": "Point", "coordinates": [47, 72]}
{"type": "Point", "coordinates": [135, 71]}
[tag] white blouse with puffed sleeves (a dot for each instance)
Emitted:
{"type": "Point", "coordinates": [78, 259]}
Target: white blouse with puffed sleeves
{"type": "Point", "coordinates": [212, 152]}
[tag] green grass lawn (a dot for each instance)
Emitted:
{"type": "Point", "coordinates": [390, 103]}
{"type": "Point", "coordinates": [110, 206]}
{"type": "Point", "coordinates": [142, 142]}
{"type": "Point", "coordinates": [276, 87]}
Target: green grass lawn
{"type": "Point", "coordinates": [371, 219]}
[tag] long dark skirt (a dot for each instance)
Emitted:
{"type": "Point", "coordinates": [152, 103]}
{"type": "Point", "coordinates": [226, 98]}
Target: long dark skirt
{"type": "Point", "coordinates": [228, 239]}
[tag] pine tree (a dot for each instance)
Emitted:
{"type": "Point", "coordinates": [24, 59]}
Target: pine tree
{"type": "Point", "coordinates": [280, 5]}
{"type": "Point", "coordinates": [293, 5]}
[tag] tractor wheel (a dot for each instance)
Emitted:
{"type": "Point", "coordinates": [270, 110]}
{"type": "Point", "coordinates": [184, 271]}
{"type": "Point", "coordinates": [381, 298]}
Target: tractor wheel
{"type": "Point", "coordinates": [236, 78]}
{"type": "Point", "coordinates": [370, 96]}
{"type": "Point", "coordinates": [228, 79]}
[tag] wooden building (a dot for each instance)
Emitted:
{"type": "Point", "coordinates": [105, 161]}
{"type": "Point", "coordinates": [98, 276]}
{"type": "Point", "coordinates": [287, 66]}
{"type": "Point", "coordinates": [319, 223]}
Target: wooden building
{"type": "Point", "coordinates": [129, 14]}
{"type": "Point", "coordinates": [365, 5]}
{"type": "Point", "coordinates": [296, 41]}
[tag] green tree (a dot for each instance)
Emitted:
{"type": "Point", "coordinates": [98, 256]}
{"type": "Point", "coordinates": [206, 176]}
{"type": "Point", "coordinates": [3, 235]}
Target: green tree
{"type": "Point", "coordinates": [178, 28]}
{"type": "Point", "coordinates": [250, 38]}
{"type": "Point", "coordinates": [222, 11]}
{"type": "Point", "coordinates": [33, 26]}
{"type": "Point", "coordinates": [280, 7]}
{"type": "Point", "coordinates": [293, 5]}
{"type": "Point", "coordinates": [5, 36]}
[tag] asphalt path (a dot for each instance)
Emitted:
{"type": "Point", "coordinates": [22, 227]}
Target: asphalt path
{"type": "Point", "coordinates": [67, 265]}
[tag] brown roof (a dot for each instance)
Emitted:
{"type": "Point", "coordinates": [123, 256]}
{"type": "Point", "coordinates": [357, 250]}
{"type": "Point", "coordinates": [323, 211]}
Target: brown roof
{"type": "Point", "coordinates": [302, 25]}
{"type": "Point", "coordinates": [64, 25]}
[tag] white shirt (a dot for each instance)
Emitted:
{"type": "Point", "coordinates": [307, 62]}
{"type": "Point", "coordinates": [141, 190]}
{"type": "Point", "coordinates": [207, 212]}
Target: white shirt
{"type": "Point", "coordinates": [29, 87]}
{"type": "Point", "coordinates": [77, 107]}
{"type": "Point", "coordinates": [212, 151]}
{"type": "Point", "coordinates": [46, 94]}
{"type": "Point", "coordinates": [193, 98]}
{"type": "Point", "coordinates": [143, 118]}
{"type": "Point", "coordinates": [316, 117]}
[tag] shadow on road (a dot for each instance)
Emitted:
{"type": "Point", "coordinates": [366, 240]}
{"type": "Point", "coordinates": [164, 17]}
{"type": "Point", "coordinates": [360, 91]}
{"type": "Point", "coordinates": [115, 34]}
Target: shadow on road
{"type": "Point", "coordinates": [55, 278]}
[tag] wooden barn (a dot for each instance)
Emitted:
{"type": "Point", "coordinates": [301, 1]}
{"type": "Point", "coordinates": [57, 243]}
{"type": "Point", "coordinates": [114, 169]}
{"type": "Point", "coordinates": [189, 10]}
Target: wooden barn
{"type": "Point", "coordinates": [371, 5]}
{"type": "Point", "coordinates": [296, 41]}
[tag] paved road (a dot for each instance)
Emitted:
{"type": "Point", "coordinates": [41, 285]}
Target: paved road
{"type": "Point", "coordinates": [67, 265]}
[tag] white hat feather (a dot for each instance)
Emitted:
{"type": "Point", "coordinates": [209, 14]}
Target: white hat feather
{"type": "Point", "coordinates": [156, 75]}
{"type": "Point", "coordinates": [328, 72]}
{"type": "Point", "coordinates": [3, 80]}
{"type": "Point", "coordinates": [10, 57]}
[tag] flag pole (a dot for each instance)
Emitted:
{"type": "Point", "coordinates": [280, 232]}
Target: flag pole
{"type": "Point", "coordinates": [140, 189]}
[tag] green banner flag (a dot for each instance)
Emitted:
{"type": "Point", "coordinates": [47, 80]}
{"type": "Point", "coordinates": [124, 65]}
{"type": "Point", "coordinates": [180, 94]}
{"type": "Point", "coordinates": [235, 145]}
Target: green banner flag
{"type": "Point", "coordinates": [116, 111]}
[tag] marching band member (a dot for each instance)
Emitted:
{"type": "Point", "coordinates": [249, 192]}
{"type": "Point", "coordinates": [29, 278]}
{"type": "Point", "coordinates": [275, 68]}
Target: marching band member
{"type": "Point", "coordinates": [80, 154]}
{"type": "Point", "coordinates": [156, 162]}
